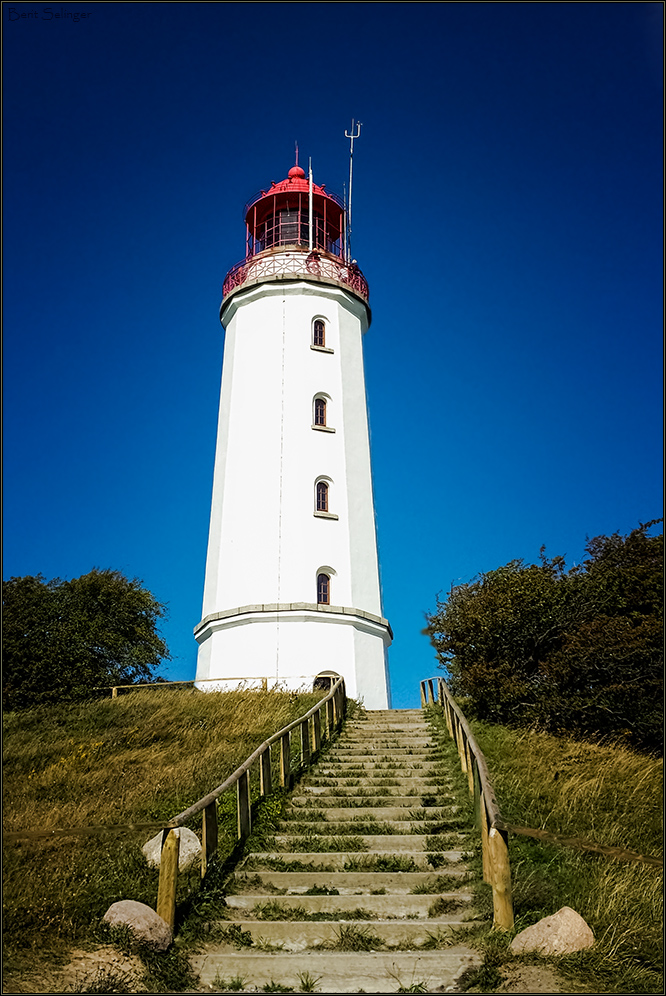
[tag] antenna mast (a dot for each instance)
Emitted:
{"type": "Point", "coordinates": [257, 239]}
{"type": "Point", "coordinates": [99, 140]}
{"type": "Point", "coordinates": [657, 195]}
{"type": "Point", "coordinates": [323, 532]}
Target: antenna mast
{"type": "Point", "coordinates": [351, 138]}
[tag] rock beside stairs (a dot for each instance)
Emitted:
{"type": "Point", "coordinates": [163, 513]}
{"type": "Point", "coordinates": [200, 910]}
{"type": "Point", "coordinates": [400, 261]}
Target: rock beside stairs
{"type": "Point", "coordinates": [365, 887]}
{"type": "Point", "coordinates": [148, 930]}
{"type": "Point", "coordinates": [562, 933]}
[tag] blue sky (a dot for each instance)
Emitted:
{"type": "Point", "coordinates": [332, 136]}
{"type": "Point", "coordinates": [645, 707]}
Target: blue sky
{"type": "Point", "coordinates": [508, 217]}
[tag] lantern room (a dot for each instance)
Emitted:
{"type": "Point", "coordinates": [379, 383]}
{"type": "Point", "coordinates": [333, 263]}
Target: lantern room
{"type": "Point", "coordinates": [295, 213]}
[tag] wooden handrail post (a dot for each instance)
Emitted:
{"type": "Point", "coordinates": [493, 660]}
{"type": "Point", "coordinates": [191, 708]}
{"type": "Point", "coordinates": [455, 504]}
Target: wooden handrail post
{"type": "Point", "coordinates": [477, 793]}
{"type": "Point", "coordinates": [208, 836]}
{"type": "Point", "coordinates": [305, 744]}
{"type": "Point", "coordinates": [285, 761]}
{"type": "Point", "coordinates": [330, 718]}
{"type": "Point", "coordinates": [244, 806]}
{"type": "Point", "coordinates": [447, 713]}
{"type": "Point", "coordinates": [485, 846]}
{"type": "Point", "coordinates": [494, 841]}
{"type": "Point", "coordinates": [461, 746]}
{"type": "Point", "coordinates": [265, 774]}
{"type": "Point", "coordinates": [114, 692]}
{"type": "Point", "coordinates": [431, 688]}
{"type": "Point", "coordinates": [166, 890]}
{"type": "Point", "coordinates": [316, 731]}
{"type": "Point", "coordinates": [501, 874]}
{"type": "Point", "coordinates": [424, 700]}
{"type": "Point", "coordinates": [440, 692]}
{"type": "Point", "coordinates": [469, 758]}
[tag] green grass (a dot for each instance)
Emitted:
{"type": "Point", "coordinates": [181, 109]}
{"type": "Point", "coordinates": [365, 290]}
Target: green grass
{"type": "Point", "coordinates": [381, 863]}
{"type": "Point", "coordinates": [603, 793]}
{"type": "Point", "coordinates": [235, 984]}
{"type": "Point", "coordinates": [274, 911]}
{"type": "Point", "coordinates": [353, 938]}
{"type": "Point", "coordinates": [280, 865]}
{"type": "Point", "coordinates": [440, 907]}
{"type": "Point", "coordinates": [161, 973]}
{"type": "Point", "coordinates": [142, 757]}
{"type": "Point", "coordinates": [323, 845]}
{"type": "Point", "coordinates": [442, 883]}
{"type": "Point", "coordinates": [308, 983]}
{"type": "Point", "coordinates": [109, 980]}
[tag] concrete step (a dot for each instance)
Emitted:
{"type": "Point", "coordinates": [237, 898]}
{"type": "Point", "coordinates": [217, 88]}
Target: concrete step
{"type": "Point", "coordinates": [396, 754]}
{"type": "Point", "coordinates": [296, 935]}
{"type": "Point", "coordinates": [338, 860]}
{"type": "Point", "coordinates": [385, 746]}
{"type": "Point", "coordinates": [395, 739]}
{"type": "Point", "coordinates": [347, 883]}
{"type": "Point", "coordinates": [386, 843]}
{"type": "Point", "coordinates": [323, 800]}
{"type": "Point", "coordinates": [423, 786]}
{"type": "Point", "coordinates": [387, 907]}
{"type": "Point", "coordinates": [387, 730]}
{"type": "Point", "coordinates": [390, 714]}
{"type": "Point", "coordinates": [374, 765]}
{"type": "Point", "coordinates": [390, 722]}
{"type": "Point", "coordinates": [339, 768]}
{"type": "Point", "coordinates": [338, 971]}
{"type": "Point", "coordinates": [374, 828]}
{"type": "Point", "coordinates": [329, 813]}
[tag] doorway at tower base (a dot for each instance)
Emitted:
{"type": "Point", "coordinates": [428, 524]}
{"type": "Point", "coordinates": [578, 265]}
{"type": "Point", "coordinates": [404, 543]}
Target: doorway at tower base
{"type": "Point", "coordinates": [262, 646]}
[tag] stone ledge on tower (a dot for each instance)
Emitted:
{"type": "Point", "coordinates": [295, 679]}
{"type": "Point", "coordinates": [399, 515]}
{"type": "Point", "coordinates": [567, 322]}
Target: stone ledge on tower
{"type": "Point", "coordinates": [290, 607]}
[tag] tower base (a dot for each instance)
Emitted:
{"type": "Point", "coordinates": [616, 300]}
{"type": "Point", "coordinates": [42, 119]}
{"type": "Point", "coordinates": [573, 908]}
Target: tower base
{"type": "Point", "coordinates": [289, 645]}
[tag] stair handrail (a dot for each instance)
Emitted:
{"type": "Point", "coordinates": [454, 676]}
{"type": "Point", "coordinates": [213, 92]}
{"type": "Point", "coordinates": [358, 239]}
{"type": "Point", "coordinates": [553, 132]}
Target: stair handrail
{"type": "Point", "coordinates": [334, 705]}
{"type": "Point", "coordinates": [494, 831]}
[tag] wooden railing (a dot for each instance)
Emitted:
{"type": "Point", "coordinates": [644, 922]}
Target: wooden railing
{"type": "Point", "coordinates": [314, 727]}
{"type": "Point", "coordinates": [243, 682]}
{"type": "Point", "coordinates": [494, 833]}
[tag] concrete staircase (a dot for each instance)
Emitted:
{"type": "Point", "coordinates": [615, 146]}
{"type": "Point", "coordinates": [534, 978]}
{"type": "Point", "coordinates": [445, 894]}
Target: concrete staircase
{"type": "Point", "coordinates": [365, 887]}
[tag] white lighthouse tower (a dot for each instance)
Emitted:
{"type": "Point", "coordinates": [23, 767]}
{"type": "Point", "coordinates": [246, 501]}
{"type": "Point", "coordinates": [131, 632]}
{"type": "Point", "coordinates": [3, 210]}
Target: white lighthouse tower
{"type": "Point", "coordinates": [292, 575]}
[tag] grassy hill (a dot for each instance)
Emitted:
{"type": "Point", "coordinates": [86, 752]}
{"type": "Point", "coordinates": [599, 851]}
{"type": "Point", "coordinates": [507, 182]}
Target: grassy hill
{"type": "Point", "coordinates": [143, 757]}
{"type": "Point", "coordinates": [603, 793]}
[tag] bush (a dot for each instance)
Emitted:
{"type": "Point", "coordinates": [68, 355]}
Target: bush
{"type": "Point", "coordinates": [575, 651]}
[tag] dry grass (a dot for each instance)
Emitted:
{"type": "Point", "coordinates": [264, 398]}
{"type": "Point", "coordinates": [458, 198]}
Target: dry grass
{"type": "Point", "coordinates": [142, 757]}
{"type": "Point", "coordinates": [609, 794]}
{"type": "Point", "coordinates": [606, 794]}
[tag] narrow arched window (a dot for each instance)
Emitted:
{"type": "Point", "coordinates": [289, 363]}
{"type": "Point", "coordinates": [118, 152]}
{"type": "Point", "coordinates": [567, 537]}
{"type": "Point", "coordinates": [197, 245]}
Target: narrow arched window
{"type": "Point", "coordinates": [322, 496]}
{"type": "Point", "coordinates": [319, 333]}
{"type": "Point", "coordinates": [323, 589]}
{"type": "Point", "coordinates": [319, 411]}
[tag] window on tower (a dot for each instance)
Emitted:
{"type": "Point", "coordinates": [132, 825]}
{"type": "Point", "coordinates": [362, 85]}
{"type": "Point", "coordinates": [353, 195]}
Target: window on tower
{"type": "Point", "coordinates": [319, 333]}
{"type": "Point", "coordinates": [322, 496]}
{"type": "Point", "coordinates": [289, 226]}
{"type": "Point", "coordinates": [323, 589]}
{"type": "Point", "coordinates": [320, 411]}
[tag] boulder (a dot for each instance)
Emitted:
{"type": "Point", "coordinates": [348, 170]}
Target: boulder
{"type": "Point", "coordinates": [190, 849]}
{"type": "Point", "coordinates": [147, 928]}
{"type": "Point", "coordinates": [562, 933]}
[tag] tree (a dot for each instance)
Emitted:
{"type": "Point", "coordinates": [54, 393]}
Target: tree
{"type": "Point", "coordinates": [62, 639]}
{"type": "Point", "coordinates": [577, 650]}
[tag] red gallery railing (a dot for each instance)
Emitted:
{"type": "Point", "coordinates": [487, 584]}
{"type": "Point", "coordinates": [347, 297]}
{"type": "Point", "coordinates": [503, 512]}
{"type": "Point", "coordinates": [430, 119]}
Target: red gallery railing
{"type": "Point", "coordinates": [296, 262]}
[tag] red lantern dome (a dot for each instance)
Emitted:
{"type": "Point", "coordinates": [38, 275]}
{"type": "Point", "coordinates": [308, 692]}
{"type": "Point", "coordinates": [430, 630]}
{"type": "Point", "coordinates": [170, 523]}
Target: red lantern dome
{"type": "Point", "coordinates": [293, 232]}
{"type": "Point", "coordinates": [279, 216]}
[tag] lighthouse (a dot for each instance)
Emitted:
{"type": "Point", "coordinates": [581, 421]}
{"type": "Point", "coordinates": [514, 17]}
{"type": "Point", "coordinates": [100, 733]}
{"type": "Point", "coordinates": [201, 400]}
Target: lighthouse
{"type": "Point", "coordinates": [292, 575]}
